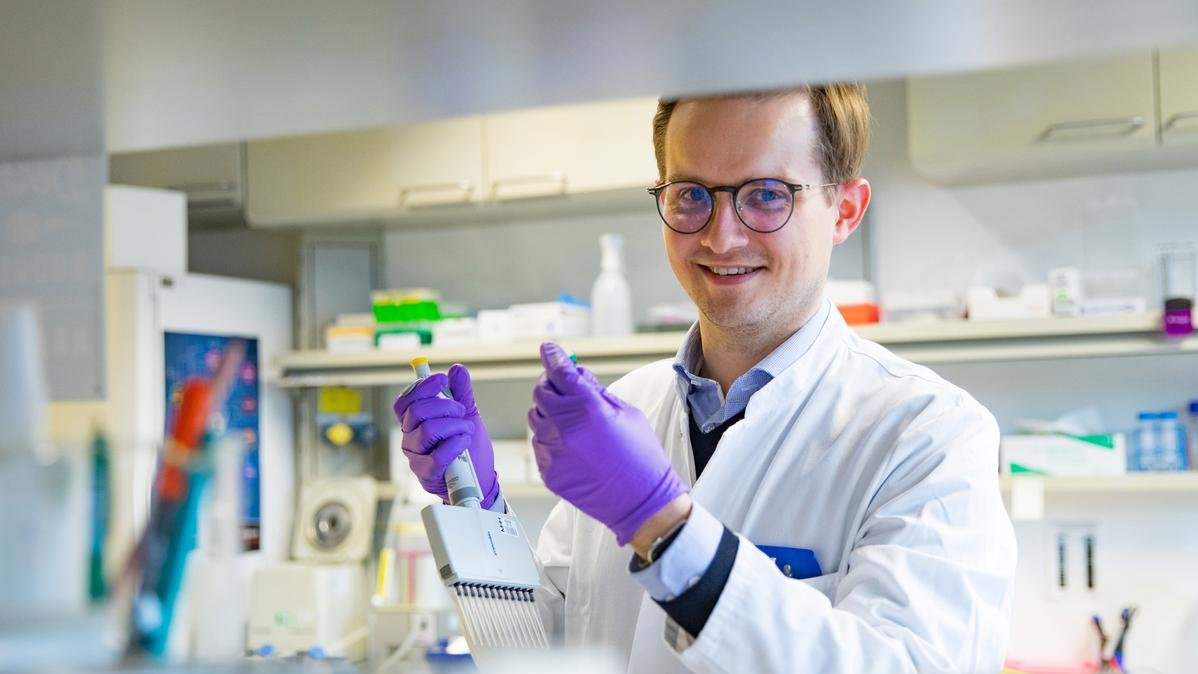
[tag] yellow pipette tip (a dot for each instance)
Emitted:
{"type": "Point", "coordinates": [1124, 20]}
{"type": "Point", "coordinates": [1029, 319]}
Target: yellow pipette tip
{"type": "Point", "coordinates": [419, 360]}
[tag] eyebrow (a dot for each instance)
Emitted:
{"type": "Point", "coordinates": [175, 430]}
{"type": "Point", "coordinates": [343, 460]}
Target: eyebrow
{"type": "Point", "coordinates": [671, 178]}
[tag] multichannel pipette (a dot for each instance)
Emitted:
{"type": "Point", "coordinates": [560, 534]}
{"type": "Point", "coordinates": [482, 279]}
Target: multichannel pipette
{"type": "Point", "coordinates": [460, 479]}
{"type": "Point", "coordinates": [485, 561]}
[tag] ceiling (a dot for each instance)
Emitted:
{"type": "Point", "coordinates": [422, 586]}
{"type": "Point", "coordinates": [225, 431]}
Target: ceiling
{"type": "Point", "coordinates": [125, 75]}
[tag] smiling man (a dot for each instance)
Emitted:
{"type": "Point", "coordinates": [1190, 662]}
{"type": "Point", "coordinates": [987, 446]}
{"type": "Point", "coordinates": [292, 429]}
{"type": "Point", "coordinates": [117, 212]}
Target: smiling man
{"type": "Point", "coordinates": [794, 497]}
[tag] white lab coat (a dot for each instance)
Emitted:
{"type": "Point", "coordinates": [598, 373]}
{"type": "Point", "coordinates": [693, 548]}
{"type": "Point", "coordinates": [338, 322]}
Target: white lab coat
{"type": "Point", "coordinates": [887, 472]}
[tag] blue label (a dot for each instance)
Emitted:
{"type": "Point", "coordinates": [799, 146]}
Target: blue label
{"type": "Point", "coordinates": [796, 563]}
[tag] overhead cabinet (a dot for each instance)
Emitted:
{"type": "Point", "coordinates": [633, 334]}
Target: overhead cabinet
{"type": "Point", "coordinates": [458, 167]}
{"type": "Point", "coordinates": [364, 175]}
{"type": "Point", "coordinates": [1179, 97]}
{"type": "Point", "coordinates": [1053, 120]}
{"type": "Point", "coordinates": [212, 177]}
{"type": "Point", "coordinates": [572, 149]}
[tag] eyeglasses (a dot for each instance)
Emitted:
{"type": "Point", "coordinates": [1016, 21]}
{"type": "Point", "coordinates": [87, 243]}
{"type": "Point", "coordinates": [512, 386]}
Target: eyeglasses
{"type": "Point", "coordinates": [764, 204]}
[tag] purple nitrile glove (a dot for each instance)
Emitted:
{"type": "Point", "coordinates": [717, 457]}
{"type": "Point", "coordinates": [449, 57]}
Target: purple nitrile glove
{"type": "Point", "coordinates": [436, 430]}
{"type": "Point", "coordinates": [597, 451]}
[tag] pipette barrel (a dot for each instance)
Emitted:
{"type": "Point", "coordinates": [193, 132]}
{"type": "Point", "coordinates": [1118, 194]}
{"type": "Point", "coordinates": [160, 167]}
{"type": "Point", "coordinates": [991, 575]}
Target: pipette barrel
{"type": "Point", "coordinates": [460, 479]}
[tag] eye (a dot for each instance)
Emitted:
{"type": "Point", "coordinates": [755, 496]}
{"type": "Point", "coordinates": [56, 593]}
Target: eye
{"type": "Point", "coordinates": [767, 198]}
{"type": "Point", "coordinates": [694, 193]}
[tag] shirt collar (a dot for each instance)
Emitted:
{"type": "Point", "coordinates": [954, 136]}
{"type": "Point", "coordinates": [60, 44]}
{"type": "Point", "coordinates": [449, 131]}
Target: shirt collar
{"type": "Point", "coordinates": [689, 359]}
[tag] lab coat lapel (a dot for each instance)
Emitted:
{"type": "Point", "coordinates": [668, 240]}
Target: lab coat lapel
{"type": "Point", "coordinates": [729, 485]}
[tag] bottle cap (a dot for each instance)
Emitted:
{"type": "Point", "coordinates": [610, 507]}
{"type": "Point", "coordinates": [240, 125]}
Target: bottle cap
{"type": "Point", "coordinates": [1194, 407]}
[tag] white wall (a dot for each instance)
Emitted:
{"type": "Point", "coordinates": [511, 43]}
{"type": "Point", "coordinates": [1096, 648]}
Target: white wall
{"type": "Point", "coordinates": [928, 237]}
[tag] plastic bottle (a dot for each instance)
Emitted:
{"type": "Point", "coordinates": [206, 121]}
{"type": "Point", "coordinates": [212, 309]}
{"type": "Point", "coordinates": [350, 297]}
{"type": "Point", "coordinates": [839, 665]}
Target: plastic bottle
{"type": "Point", "coordinates": [1193, 434]}
{"type": "Point", "coordinates": [1171, 440]}
{"type": "Point", "coordinates": [611, 300]}
{"type": "Point", "coordinates": [1143, 455]}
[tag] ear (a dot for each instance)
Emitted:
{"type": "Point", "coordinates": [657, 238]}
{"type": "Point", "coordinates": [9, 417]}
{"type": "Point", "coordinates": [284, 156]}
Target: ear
{"type": "Point", "coordinates": [851, 202]}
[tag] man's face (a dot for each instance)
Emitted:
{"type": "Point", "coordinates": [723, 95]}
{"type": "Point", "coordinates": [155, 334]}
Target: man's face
{"type": "Point", "coordinates": [728, 141]}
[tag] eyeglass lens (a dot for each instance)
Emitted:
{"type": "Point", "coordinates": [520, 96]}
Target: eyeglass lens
{"type": "Point", "coordinates": [762, 205]}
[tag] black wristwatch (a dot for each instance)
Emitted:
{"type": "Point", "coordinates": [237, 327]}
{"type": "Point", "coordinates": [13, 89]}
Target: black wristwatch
{"type": "Point", "coordinates": [658, 547]}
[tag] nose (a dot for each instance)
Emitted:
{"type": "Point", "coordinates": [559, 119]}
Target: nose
{"type": "Point", "coordinates": [725, 232]}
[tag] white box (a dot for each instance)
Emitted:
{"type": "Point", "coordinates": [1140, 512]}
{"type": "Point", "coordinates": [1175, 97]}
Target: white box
{"type": "Point", "coordinates": [1031, 302]}
{"type": "Point", "coordinates": [495, 325]}
{"type": "Point", "coordinates": [456, 332]}
{"type": "Point", "coordinates": [297, 606]}
{"type": "Point", "coordinates": [1059, 454]}
{"type": "Point", "coordinates": [549, 320]}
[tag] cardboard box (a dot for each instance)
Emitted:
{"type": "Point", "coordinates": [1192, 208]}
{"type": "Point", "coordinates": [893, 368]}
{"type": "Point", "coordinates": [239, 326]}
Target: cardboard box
{"type": "Point", "coordinates": [1059, 454]}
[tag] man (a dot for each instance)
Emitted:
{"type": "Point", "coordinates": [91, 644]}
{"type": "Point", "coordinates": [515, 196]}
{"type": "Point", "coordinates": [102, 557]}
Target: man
{"type": "Point", "coordinates": [796, 498]}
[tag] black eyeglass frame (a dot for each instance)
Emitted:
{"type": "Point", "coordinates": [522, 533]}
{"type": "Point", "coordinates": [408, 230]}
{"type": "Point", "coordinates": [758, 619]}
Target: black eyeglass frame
{"type": "Point", "coordinates": [732, 191]}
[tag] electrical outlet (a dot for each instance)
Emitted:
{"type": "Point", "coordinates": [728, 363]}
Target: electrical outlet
{"type": "Point", "coordinates": [1072, 553]}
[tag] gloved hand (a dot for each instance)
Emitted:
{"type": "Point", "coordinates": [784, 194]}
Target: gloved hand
{"type": "Point", "coordinates": [597, 451]}
{"type": "Point", "coordinates": [436, 430]}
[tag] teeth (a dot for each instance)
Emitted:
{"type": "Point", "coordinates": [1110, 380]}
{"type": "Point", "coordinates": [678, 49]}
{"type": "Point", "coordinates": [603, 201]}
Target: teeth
{"type": "Point", "coordinates": [731, 271]}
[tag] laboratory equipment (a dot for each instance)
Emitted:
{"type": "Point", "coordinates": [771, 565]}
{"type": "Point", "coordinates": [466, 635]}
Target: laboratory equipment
{"type": "Point", "coordinates": [1192, 433]}
{"type": "Point", "coordinates": [1160, 442]}
{"type": "Point", "coordinates": [22, 369]}
{"type": "Point", "coordinates": [296, 607]}
{"type": "Point", "coordinates": [1143, 454]}
{"type": "Point", "coordinates": [184, 472]}
{"type": "Point", "coordinates": [485, 560]}
{"type": "Point", "coordinates": [335, 520]}
{"type": "Point", "coordinates": [460, 480]}
{"type": "Point", "coordinates": [1178, 280]}
{"type": "Point", "coordinates": [162, 329]}
{"type": "Point", "coordinates": [611, 299]}
{"type": "Point", "coordinates": [1171, 441]}
{"type": "Point", "coordinates": [97, 582]}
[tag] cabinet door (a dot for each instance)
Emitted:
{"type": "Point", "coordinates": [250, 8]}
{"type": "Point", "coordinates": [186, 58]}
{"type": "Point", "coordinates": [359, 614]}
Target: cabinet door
{"type": "Point", "coordinates": [1033, 121]}
{"type": "Point", "coordinates": [571, 149]}
{"type": "Point", "coordinates": [362, 175]}
{"type": "Point", "coordinates": [1179, 96]}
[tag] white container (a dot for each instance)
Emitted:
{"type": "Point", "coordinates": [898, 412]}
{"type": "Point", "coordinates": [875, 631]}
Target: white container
{"type": "Point", "coordinates": [611, 299]}
{"type": "Point", "coordinates": [1031, 302]}
{"type": "Point", "coordinates": [456, 332]}
{"type": "Point", "coordinates": [494, 325]}
{"type": "Point", "coordinates": [902, 306]}
{"type": "Point", "coordinates": [548, 320]}
{"type": "Point", "coordinates": [1058, 454]}
{"type": "Point", "coordinates": [1065, 284]}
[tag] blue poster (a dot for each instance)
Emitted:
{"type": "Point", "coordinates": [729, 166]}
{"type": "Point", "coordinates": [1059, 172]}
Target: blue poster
{"type": "Point", "coordinates": [191, 355]}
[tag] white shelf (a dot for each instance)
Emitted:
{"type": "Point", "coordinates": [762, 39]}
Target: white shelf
{"type": "Point", "coordinates": [1132, 483]}
{"type": "Point", "coordinates": [927, 343]}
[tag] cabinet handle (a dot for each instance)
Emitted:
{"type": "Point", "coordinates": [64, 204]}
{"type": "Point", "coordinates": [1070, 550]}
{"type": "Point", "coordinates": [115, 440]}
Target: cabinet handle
{"type": "Point", "coordinates": [205, 186]}
{"type": "Point", "coordinates": [464, 186]}
{"type": "Point", "coordinates": [1179, 118]}
{"type": "Point", "coordinates": [557, 180]}
{"type": "Point", "coordinates": [1096, 128]}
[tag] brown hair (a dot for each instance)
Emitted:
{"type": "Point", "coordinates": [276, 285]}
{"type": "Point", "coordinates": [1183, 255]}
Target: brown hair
{"type": "Point", "coordinates": [841, 111]}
